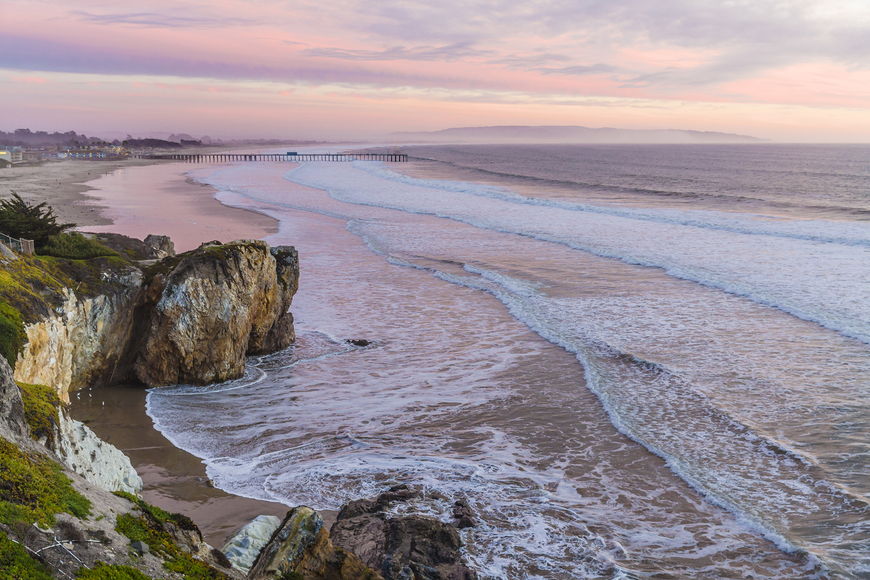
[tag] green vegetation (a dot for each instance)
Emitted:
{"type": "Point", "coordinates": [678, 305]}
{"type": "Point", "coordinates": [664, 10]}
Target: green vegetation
{"type": "Point", "coordinates": [114, 572]}
{"type": "Point", "coordinates": [20, 219]}
{"type": "Point", "coordinates": [40, 409]}
{"type": "Point", "coordinates": [150, 527]}
{"type": "Point", "coordinates": [75, 246]}
{"type": "Point", "coordinates": [33, 488]}
{"type": "Point", "coordinates": [12, 335]}
{"type": "Point", "coordinates": [16, 563]}
{"type": "Point", "coordinates": [34, 285]}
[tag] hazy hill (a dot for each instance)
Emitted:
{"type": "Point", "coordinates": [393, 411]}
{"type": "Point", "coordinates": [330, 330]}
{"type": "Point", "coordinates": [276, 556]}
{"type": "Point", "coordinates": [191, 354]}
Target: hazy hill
{"type": "Point", "coordinates": [570, 134]}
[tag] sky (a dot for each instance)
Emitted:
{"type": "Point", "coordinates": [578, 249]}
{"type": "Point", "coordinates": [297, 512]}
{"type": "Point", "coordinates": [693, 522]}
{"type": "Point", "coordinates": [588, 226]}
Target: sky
{"type": "Point", "coordinates": [787, 70]}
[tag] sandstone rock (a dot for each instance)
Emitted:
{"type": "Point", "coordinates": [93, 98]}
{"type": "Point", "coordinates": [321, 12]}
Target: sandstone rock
{"type": "Point", "coordinates": [243, 546]}
{"type": "Point", "coordinates": [218, 304]}
{"type": "Point", "coordinates": [13, 427]}
{"type": "Point", "coordinates": [191, 318]}
{"type": "Point", "coordinates": [99, 462]}
{"type": "Point", "coordinates": [301, 546]}
{"type": "Point", "coordinates": [410, 547]}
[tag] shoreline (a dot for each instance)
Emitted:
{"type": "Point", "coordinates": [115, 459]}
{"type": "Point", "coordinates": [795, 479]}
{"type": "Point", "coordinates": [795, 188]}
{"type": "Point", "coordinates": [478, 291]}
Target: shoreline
{"type": "Point", "coordinates": [175, 480]}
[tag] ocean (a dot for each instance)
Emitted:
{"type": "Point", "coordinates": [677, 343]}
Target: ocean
{"type": "Point", "coordinates": [631, 361]}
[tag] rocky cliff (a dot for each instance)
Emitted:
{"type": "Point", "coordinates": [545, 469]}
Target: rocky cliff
{"type": "Point", "coordinates": [187, 318]}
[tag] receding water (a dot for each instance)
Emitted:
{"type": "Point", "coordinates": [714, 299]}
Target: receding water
{"type": "Point", "coordinates": [636, 362]}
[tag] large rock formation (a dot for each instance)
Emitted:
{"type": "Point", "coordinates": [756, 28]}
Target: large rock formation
{"type": "Point", "coordinates": [188, 318]}
{"type": "Point", "coordinates": [217, 305]}
{"type": "Point", "coordinates": [300, 548]}
{"type": "Point", "coordinates": [68, 543]}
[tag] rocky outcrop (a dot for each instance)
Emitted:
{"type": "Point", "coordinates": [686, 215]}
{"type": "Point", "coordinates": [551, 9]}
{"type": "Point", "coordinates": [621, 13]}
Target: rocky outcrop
{"type": "Point", "coordinates": [400, 548]}
{"type": "Point", "coordinates": [214, 307]}
{"type": "Point", "coordinates": [100, 533]}
{"type": "Point", "coordinates": [189, 318]}
{"type": "Point", "coordinates": [99, 462]}
{"type": "Point", "coordinates": [300, 548]}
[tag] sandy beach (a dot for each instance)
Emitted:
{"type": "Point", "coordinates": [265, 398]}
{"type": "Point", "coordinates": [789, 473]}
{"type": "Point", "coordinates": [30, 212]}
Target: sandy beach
{"type": "Point", "coordinates": [136, 198]}
{"type": "Point", "coordinates": [61, 184]}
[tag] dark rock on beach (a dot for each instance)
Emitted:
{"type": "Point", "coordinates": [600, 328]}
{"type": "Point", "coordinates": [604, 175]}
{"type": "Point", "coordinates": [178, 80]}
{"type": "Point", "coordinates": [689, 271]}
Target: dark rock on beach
{"type": "Point", "coordinates": [401, 548]}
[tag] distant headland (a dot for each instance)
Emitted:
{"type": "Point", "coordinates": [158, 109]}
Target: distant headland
{"type": "Point", "coordinates": [571, 134]}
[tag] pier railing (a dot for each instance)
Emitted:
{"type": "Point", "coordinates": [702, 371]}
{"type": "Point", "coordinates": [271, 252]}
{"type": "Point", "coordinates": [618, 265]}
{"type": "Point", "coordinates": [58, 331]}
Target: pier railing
{"type": "Point", "coordinates": [292, 157]}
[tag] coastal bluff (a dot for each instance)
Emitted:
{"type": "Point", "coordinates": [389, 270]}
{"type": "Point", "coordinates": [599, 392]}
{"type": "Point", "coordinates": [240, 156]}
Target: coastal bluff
{"type": "Point", "coordinates": [187, 318]}
{"type": "Point", "coordinates": [69, 502]}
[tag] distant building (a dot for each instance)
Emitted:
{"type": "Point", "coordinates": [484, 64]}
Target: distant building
{"type": "Point", "coordinates": [12, 154]}
{"type": "Point", "coordinates": [86, 154]}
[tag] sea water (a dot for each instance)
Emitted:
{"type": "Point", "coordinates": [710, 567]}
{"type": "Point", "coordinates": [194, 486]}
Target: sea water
{"type": "Point", "coordinates": [631, 361]}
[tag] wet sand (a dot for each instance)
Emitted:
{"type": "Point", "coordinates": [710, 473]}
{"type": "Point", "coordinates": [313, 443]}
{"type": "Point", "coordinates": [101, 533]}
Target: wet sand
{"type": "Point", "coordinates": [136, 198]}
{"type": "Point", "coordinates": [161, 199]}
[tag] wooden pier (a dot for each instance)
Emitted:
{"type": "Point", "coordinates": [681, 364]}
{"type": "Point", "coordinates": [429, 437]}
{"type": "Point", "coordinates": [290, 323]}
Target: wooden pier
{"type": "Point", "coordinates": [292, 157]}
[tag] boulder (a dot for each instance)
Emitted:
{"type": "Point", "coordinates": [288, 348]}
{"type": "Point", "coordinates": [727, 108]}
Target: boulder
{"type": "Point", "coordinates": [7, 254]}
{"type": "Point", "coordinates": [161, 246]}
{"type": "Point", "coordinates": [213, 307]}
{"type": "Point", "coordinates": [412, 547]}
{"type": "Point", "coordinates": [301, 548]}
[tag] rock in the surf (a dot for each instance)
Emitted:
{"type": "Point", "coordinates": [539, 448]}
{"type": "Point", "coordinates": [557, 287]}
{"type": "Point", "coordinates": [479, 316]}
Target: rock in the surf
{"type": "Point", "coordinates": [211, 307]}
{"type": "Point", "coordinates": [413, 546]}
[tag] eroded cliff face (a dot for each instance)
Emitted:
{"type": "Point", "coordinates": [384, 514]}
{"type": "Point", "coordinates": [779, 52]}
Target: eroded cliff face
{"type": "Point", "coordinates": [82, 342]}
{"type": "Point", "coordinates": [217, 305]}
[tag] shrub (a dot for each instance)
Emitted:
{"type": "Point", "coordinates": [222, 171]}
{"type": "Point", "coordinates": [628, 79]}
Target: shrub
{"type": "Point", "coordinates": [34, 488]}
{"type": "Point", "coordinates": [19, 219]}
{"type": "Point", "coordinates": [150, 527]}
{"type": "Point", "coordinates": [74, 246]}
{"type": "Point", "coordinates": [12, 335]}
